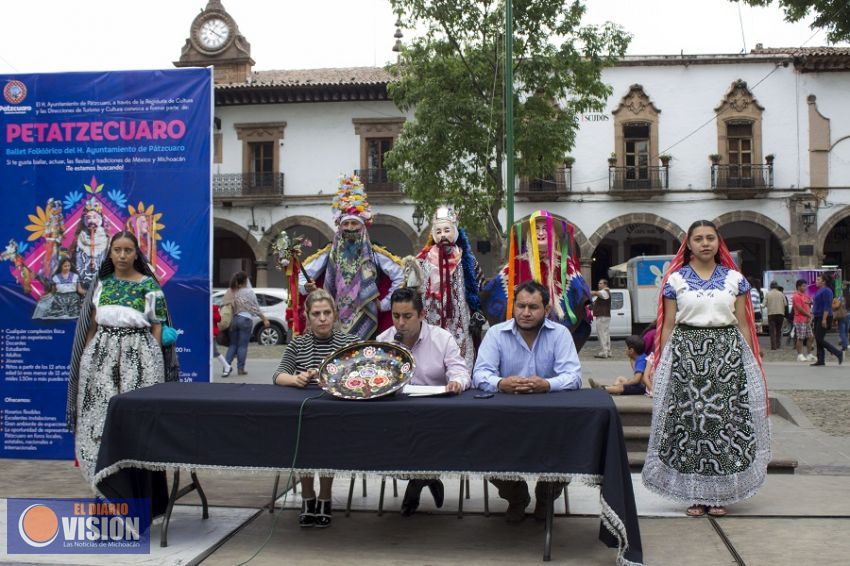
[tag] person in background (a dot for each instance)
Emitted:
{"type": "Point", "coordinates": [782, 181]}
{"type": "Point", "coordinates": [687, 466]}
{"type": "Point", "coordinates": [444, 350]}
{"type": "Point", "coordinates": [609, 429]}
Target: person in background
{"type": "Point", "coordinates": [299, 367]}
{"type": "Point", "coordinates": [757, 300]}
{"type": "Point", "coordinates": [801, 308]}
{"type": "Point", "coordinates": [216, 318]}
{"type": "Point", "coordinates": [602, 316]}
{"type": "Point", "coordinates": [629, 385]}
{"type": "Point", "coordinates": [244, 304]}
{"type": "Point", "coordinates": [840, 314]}
{"type": "Point", "coordinates": [709, 442]}
{"type": "Point", "coordinates": [822, 320]}
{"type": "Point", "coordinates": [777, 306]}
{"type": "Point", "coordinates": [528, 354]}
{"type": "Point", "coordinates": [438, 362]}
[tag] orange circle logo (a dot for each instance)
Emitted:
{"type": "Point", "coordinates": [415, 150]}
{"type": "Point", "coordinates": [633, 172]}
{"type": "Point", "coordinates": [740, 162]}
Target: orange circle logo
{"type": "Point", "coordinates": [38, 525]}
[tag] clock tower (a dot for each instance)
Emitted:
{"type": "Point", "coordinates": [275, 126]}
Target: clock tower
{"type": "Point", "coordinates": [214, 39]}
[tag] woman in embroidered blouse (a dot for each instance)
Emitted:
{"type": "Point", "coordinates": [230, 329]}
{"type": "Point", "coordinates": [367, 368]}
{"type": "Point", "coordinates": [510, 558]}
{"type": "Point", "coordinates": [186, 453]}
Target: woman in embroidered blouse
{"type": "Point", "coordinates": [244, 303]}
{"type": "Point", "coordinates": [299, 368]}
{"type": "Point", "coordinates": [122, 344]}
{"type": "Point", "coordinates": [710, 438]}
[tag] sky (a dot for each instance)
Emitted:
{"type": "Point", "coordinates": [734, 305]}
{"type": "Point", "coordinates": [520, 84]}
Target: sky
{"type": "Point", "coordinates": [94, 35]}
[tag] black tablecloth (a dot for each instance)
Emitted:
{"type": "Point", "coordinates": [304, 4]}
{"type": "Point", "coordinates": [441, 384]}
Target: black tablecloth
{"type": "Point", "coordinates": [569, 436]}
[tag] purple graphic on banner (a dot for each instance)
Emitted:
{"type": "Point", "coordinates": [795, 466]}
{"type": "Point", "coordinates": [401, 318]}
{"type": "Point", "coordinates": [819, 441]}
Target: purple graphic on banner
{"type": "Point", "coordinates": [84, 156]}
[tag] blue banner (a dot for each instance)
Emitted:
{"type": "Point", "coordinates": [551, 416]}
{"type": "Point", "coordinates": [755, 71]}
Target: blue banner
{"type": "Point", "coordinates": [85, 155]}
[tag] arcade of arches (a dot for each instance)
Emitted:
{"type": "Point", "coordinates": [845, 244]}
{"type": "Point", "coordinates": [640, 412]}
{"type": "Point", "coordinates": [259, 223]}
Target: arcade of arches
{"type": "Point", "coordinates": [762, 243]}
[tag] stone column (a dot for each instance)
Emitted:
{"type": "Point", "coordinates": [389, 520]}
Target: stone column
{"type": "Point", "coordinates": [585, 270]}
{"type": "Point", "coordinates": [262, 273]}
{"type": "Point", "coordinates": [804, 239]}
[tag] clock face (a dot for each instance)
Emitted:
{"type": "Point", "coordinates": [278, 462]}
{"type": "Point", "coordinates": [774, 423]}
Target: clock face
{"type": "Point", "coordinates": [213, 33]}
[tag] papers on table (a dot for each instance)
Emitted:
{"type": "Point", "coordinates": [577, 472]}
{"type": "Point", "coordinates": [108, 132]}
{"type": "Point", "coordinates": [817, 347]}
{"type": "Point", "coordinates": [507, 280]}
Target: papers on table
{"type": "Point", "coordinates": [423, 390]}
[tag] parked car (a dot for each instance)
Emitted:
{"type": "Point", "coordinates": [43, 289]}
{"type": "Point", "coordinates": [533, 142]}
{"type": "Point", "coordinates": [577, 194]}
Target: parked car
{"type": "Point", "coordinates": [273, 304]}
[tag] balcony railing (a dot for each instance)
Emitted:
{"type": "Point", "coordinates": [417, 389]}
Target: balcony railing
{"type": "Point", "coordinates": [549, 188]}
{"type": "Point", "coordinates": [377, 181]}
{"type": "Point", "coordinates": [248, 185]}
{"type": "Point", "coordinates": [631, 178]}
{"type": "Point", "coordinates": [758, 176]}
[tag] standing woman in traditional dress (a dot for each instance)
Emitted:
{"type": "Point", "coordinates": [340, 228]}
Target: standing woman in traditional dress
{"type": "Point", "coordinates": [117, 344]}
{"type": "Point", "coordinates": [709, 443]}
{"type": "Point", "coordinates": [299, 367]}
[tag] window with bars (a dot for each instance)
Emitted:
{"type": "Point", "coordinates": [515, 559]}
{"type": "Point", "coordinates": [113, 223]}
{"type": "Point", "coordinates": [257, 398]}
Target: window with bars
{"type": "Point", "coordinates": [262, 159]}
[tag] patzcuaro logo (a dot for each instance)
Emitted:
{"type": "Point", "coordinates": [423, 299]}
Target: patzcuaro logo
{"type": "Point", "coordinates": [15, 92]}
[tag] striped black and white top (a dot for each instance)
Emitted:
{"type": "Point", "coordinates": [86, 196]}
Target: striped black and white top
{"type": "Point", "coordinates": [308, 352]}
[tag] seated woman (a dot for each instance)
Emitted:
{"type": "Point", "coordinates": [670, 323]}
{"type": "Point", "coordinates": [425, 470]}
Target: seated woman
{"type": "Point", "coordinates": [299, 367]}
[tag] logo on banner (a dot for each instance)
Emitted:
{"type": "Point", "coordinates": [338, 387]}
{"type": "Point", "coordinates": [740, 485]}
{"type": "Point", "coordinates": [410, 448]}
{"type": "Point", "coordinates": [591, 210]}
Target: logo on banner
{"type": "Point", "coordinates": [15, 92]}
{"type": "Point", "coordinates": [78, 526]}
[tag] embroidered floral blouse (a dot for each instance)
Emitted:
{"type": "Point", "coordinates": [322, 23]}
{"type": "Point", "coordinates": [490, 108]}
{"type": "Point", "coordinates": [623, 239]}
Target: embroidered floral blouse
{"type": "Point", "coordinates": [705, 302]}
{"type": "Point", "coordinates": [129, 304]}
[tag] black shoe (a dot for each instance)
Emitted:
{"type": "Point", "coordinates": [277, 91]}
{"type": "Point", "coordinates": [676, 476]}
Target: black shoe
{"type": "Point", "coordinates": [307, 518]}
{"type": "Point", "coordinates": [817, 364]}
{"type": "Point", "coordinates": [410, 503]}
{"type": "Point", "coordinates": [840, 358]}
{"type": "Point", "coordinates": [516, 510]}
{"type": "Point", "coordinates": [323, 513]}
{"type": "Point", "coordinates": [438, 491]}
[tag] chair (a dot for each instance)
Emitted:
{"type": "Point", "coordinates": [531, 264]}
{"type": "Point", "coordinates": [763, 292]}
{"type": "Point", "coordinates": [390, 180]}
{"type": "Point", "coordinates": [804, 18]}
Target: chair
{"type": "Point", "coordinates": [380, 501]}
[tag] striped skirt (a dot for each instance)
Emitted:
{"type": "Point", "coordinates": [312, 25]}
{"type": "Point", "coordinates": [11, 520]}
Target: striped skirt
{"type": "Point", "coordinates": [710, 437]}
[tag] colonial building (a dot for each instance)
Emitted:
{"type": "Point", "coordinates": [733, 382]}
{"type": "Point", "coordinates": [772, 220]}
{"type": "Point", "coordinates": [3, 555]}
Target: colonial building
{"type": "Point", "coordinates": [757, 142]}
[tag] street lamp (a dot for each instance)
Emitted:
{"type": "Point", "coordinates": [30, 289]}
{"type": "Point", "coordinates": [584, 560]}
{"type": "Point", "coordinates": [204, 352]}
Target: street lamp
{"type": "Point", "coordinates": [418, 218]}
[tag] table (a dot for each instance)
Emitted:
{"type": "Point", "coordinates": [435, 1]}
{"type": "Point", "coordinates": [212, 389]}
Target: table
{"type": "Point", "coordinates": [573, 436]}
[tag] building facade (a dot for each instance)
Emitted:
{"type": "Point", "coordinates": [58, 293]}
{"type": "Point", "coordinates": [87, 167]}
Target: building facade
{"type": "Point", "coordinates": [759, 143]}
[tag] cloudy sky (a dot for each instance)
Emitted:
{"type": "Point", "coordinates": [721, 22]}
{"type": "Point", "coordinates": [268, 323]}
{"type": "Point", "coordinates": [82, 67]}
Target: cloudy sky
{"type": "Point", "coordinates": [87, 35]}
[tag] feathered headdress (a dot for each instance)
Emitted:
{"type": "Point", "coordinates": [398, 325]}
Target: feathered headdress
{"type": "Point", "coordinates": [351, 201]}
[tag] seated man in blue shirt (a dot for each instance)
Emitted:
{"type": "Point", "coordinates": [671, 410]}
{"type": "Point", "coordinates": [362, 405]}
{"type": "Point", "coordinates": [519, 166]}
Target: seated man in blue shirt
{"type": "Point", "coordinates": [529, 354]}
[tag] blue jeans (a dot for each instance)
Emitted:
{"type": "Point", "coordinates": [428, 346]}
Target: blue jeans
{"type": "Point", "coordinates": [843, 327]}
{"type": "Point", "coordinates": [240, 335]}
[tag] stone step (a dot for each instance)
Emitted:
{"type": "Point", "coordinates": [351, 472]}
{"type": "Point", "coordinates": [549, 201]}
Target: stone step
{"type": "Point", "coordinates": [635, 410]}
{"type": "Point", "coordinates": [637, 438]}
{"type": "Point", "coordinates": [777, 464]}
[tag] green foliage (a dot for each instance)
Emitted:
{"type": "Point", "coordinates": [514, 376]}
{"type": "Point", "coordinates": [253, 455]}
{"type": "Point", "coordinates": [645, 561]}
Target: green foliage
{"type": "Point", "coordinates": [451, 75]}
{"type": "Point", "coordinates": [831, 15]}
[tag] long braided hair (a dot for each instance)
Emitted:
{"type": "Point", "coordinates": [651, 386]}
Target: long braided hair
{"type": "Point", "coordinates": [722, 257]}
{"type": "Point", "coordinates": [107, 268]}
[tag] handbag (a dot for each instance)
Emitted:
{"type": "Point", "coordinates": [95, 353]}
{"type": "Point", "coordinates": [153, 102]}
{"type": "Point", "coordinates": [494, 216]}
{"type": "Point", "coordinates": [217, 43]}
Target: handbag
{"type": "Point", "coordinates": [226, 312]}
{"type": "Point", "coordinates": [169, 335]}
{"type": "Point", "coordinates": [223, 338]}
{"type": "Point", "coordinates": [840, 311]}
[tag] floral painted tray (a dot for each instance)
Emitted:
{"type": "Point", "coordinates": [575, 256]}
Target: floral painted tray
{"type": "Point", "coordinates": [366, 370]}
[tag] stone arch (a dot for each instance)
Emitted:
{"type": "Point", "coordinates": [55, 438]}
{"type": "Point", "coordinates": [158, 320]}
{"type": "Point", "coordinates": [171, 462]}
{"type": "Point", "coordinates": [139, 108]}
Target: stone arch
{"type": "Point", "coordinates": [244, 234]}
{"type": "Point", "coordinates": [632, 218]}
{"type": "Point", "coordinates": [827, 227]}
{"type": "Point", "coordinates": [291, 222]}
{"type": "Point", "coordinates": [401, 226]}
{"type": "Point", "coordinates": [766, 222]}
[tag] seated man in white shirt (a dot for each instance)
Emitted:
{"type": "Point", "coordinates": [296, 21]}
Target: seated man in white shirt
{"type": "Point", "coordinates": [528, 354]}
{"type": "Point", "coordinates": [438, 362]}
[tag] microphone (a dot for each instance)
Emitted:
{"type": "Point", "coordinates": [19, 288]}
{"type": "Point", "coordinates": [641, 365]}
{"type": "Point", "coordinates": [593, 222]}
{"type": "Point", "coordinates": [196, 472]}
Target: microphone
{"type": "Point", "coordinates": [398, 337]}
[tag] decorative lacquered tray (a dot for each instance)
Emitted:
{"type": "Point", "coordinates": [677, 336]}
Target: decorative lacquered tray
{"type": "Point", "coordinates": [366, 370]}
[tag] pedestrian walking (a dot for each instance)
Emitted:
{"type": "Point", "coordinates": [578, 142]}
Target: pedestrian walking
{"type": "Point", "coordinates": [244, 303]}
{"type": "Point", "coordinates": [777, 306]}
{"type": "Point", "coordinates": [840, 314]}
{"type": "Point", "coordinates": [602, 316]}
{"type": "Point", "coordinates": [801, 307]}
{"type": "Point", "coordinates": [822, 313]}
{"type": "Point", "coordinates": [709, 442]}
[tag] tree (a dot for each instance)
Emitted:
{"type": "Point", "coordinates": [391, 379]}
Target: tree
{"type": "Point", "coordinates": [452, 75]}
{"type": "Point", "coordinates": [831, 15]}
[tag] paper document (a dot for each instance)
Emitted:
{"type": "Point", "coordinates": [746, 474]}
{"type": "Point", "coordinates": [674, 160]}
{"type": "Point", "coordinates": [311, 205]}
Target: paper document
{"type": "Point", "coordinates": [423, 390]}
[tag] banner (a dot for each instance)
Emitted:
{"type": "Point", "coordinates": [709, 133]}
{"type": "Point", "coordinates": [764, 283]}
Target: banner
{"type": "Point", "coordinates": [85, 155]}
